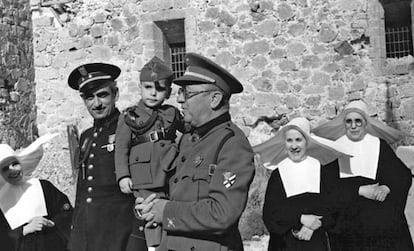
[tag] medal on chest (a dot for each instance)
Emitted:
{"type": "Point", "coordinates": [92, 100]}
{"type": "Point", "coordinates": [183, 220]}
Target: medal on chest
{"type": "Point", "coordinates": [111, 143]}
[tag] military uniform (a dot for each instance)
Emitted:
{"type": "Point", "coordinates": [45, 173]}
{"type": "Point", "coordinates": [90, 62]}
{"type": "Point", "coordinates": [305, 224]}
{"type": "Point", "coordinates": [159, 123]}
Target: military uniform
{"type": "Point", "coordinates": [213, 171]}
{"type": "Point", "coordinates": [146, 144]}
{"type": "Point", "coordinates": [146, 150]}
{"type": "Point", "coordinates": [102, 218]}
{"type": "Point", "coordinates": [209, 191]}
{"type": "Point", "coordinates": [100, 208]}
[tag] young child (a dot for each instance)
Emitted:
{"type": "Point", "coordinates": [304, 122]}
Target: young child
{"type": "Point", "coordinates": [145, 139]}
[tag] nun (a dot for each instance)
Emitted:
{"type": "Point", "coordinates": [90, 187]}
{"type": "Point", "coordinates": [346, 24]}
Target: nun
{"type": "Point", "coordinates": [34, 215]}
{"type": "Point", "coordinates": [375, 183]}
{"type": "Point", "coordinates": [300, 198]}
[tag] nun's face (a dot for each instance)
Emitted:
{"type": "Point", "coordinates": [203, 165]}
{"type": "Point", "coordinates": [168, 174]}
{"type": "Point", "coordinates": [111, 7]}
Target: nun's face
{"type": "Point", "coordinates": [295, 145]}
{"type": "Point", "coordinates": [355, 126]}
{"type": "Point", "coordinates": [13, 174]}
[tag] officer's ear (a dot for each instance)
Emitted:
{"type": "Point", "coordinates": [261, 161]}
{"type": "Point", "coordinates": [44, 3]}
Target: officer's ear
{"type": "Point", "coordinates": [216, 99]}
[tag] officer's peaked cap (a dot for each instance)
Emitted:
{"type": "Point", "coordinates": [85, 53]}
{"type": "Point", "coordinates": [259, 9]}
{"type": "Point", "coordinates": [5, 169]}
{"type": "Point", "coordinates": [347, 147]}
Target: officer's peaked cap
{"type": "Point", "coordinates": [87, 76]}
{"type": "Point", "coordinates": [155, 70]}
{"type": "Point", "coordinates": [201, 70]}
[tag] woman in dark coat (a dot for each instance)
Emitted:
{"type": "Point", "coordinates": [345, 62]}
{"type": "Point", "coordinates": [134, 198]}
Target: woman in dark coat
{"type": "Point", "coordinates": [299, 200]}
{"type": "Point", "coordinates": [375, 184]}
{"type": "Point", "coordinates": [35, 215]}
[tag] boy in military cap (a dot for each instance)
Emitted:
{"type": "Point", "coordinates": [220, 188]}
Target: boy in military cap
{"type": "Point", "coordinates": [146, 139]}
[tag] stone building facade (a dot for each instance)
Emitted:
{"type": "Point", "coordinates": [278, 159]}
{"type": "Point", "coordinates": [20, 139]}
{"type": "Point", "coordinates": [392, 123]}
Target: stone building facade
{"type": "Point", "coordinates": [17, 75]}
{"type": "Point", "coordinates": [294, 57]}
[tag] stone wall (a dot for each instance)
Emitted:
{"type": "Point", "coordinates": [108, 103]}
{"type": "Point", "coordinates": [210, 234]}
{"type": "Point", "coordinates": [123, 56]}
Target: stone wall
{"type": "Point", "coordinates": [294, 57]}
{"type": "Point", "coordinates": [17, 95]}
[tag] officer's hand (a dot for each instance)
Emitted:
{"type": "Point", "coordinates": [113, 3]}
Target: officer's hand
{"type": "Point", "coordinates": [37, 224]}
{"type": "Point", "coordinates": [143, 206]}
{"type": "Point", "coordinates": [125, 184]}
{"type": "Point", "coordinates": [368, 191]}
{"type": "Point", "coordinates": [158, 211]}
{"type": "Point", "coordinates": [311, 221]}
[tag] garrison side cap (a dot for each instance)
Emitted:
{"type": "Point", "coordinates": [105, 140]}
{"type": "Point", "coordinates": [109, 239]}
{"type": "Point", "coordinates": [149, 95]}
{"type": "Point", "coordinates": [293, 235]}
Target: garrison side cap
{"type": "Point", "coordinates": [86, 76]}
{"type": "Point", "coordinates": [201, 70]}
{"type": "Point", "coordinates": [155, 70]}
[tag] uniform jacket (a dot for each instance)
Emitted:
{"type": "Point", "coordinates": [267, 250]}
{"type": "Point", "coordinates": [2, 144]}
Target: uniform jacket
{"type": "Point", "coordinates": [103, 215]}
{"type": "Point", "coordinates": [208, 193]}
{"type": "Point", "coordinates": [146, 163]}
{"type": "Point", "coordinates": [56, 238]}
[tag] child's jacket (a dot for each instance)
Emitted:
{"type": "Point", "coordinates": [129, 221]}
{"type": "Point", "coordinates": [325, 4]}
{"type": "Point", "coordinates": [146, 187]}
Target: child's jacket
{"type": "Point", "coordinates": [145, 144]}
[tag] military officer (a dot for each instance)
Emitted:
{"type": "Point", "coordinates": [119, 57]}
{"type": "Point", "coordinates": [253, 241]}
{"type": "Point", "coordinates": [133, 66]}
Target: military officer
{"type": "Point", "coordinates": [214, 168]}
{"type": "Point", "coordinates": [102, 218]}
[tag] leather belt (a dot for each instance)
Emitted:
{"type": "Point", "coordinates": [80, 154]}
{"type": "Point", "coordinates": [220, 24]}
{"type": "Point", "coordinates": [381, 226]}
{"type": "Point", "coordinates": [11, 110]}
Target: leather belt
{"type": "Point", "coordinates": [151, 136]}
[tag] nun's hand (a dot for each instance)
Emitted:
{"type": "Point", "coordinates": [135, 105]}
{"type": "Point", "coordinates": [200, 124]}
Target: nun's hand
{"type": "Point", "coordinates": [368, 191]}
{"type": "Point", "coordinates": [381, 193]}
{"type": "Point", "coordinates": [305, 234]}
{"type": "Point", "coordinates": [311, 221]}
{"type": "Point", "coordinates": [37, 224]}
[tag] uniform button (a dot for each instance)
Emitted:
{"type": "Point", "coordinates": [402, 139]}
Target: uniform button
{"type": "Point", "coordinates": [88, 200]}
{"type": "Point", "coordinates": [93, 144]}
{"type": "Point", "coordinates": [90, 178]}
{"type": "Point", "coordinates": [95, 134]}
{"type": "Point", "coordinates": [90, 167]}
{"type": "Point", "coordinates": [175, 180]}
{"type": "Point", "coordinates": [100, 129]}
{"type": "Point", "coordinates": [91, 155]}
{"type": "Point", "coordinates": [90, 189]}
{"type": "Point", "coordinates": [83, 165]}
{"type": "Point", "coordinates": [182, 158]}
{"type": "Point", "coordinates": [192, 248]}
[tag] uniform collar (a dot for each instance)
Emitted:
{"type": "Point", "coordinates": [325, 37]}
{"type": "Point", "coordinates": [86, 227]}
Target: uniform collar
{"type": "Point", "coordinates": [106, 122]}
{"type": "Point", "coordinates": [204, 129]}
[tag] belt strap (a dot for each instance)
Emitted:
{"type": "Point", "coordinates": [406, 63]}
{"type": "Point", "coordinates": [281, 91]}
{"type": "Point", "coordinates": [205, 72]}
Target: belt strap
{"type": "Point", "coordinates": [152, 136]}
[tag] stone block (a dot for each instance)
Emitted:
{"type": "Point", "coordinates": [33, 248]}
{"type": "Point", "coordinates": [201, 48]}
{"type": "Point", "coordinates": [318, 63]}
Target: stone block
{"type": "Point", "coordinates": [224, 59]}
{"type": "Point", "coordinates": [331, 67]}
{"type": "Point", "coordinates": [278, 53]}
{"type": "Point", "coordinates": [100, 17]}
{"type": "Point", "coordinates": [287, 65]}
{"type": "Point", "coordinates": [282, 86]}
{"type": "Point", "coordinates": [116, 24]}
{"type": "Point", "coordinates": [285, 11]}
{"type": "Point", "coordinates": [180, 4]}
{"type": "Point", "coordinates": [256, 47]}
{"type": "Point", "coordinates": [259, 62]}
{"type": "Point", "coordinates": [336, 92]}
{"type": "Point", "coordinates": [131, 20]}
{"type": "Point", "coordinates": [311, 61]}
{"type": "Point", "coordinates": [112, 40]}
{"type": "Point", "coordinates": [327, 35]}
{"type": "Point", "coordinates": [406, 154]}
{"type": "Point", "coordinates": [262, 84]}
{"type": "Point", "coordinates": [313, 100]}
{"type": "Point", "coordinates": [206, 26]}
{"type": "Point", "coordinates": [295, 49]}
{"type": "Point", "coordinates": [267, 99]}
{"type": "Point", "coordinates": [268, 28]}
{"type": "Point", "coordinates": [212, 12]}
{"type": "Point", "coordinates": [407, 108]}
{"type": "Point", "coordinates": [226, 18]}
{"type": "Point", "coordinates": [297, 29]}
{"type": "Point", "coordinates": [97, 30]}
{"type": "Point", "coordinates": [43, 21]}
{"type": "Point", "coordinates": [42, 60]}
{"type": "Point", "coordinates": [85, 42]}
{"type": "Point", "coordinates": [292, 101]}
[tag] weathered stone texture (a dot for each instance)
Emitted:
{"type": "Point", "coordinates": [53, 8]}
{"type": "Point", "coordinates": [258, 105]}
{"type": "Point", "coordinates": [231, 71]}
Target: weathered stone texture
{"type": "Point", "coordinates": [292, 56]}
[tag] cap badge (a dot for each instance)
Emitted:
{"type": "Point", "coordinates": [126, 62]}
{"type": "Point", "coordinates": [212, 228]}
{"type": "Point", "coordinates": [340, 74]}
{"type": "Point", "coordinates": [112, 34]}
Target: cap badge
{"type": "Point", "coordinates": [83, 71]}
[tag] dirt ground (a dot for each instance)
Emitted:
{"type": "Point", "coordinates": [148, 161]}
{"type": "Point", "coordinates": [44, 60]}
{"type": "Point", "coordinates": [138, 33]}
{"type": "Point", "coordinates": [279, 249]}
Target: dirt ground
{"type": "Point", "coordinates": [257, 244]}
